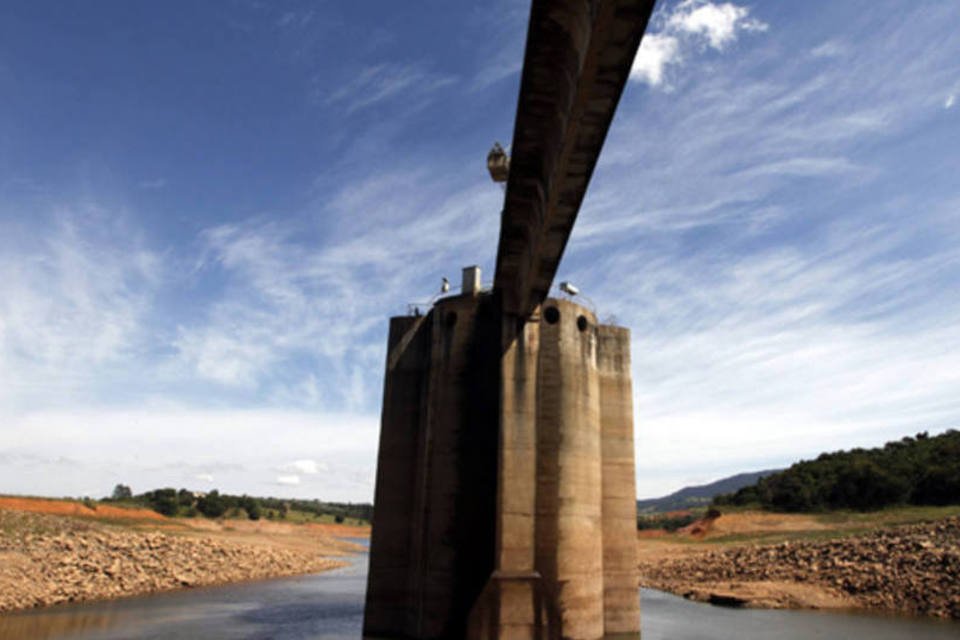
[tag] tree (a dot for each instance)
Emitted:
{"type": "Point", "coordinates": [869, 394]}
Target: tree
{"type": "Point", "coordinates": [212, 505]}
{"type": "Point", "coordinates": [251, 506]}
{"type": "Point", "coordinates": [122, 492]}
{"type": "Point", "coordinates": [185, 498]}
{"type": "Point", "coordinates": [163, 501]}
{"type": "Point", "coordinates": [938, 485]}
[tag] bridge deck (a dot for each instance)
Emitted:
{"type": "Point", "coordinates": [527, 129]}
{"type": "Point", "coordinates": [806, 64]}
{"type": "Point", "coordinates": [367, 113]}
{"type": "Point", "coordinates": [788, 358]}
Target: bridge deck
{"type": "Point", "coordinates": [577, 62]}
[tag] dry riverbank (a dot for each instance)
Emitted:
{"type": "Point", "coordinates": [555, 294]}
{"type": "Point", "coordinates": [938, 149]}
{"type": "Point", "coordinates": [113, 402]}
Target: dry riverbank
{"type": "Point", "coordinates": [50, 559]}
{"type": "Point", "coordinates": [910, 569]}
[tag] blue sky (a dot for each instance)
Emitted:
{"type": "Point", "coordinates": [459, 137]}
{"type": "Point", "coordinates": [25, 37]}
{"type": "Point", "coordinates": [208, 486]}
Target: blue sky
{"type": "Point", "coordinates": [209, 210]}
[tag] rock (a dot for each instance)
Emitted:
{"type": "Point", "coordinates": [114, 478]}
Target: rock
{"type": "Point", "coordinates": [912, 569]}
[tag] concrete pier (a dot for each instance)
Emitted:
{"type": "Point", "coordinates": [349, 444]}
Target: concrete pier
{"type": "Point", "coordinates": [505, 484]}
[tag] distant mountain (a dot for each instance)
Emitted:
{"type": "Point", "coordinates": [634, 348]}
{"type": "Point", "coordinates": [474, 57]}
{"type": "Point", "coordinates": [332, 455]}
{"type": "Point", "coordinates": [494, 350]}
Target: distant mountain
{"type": "Point", "coordinates": [700, 495]}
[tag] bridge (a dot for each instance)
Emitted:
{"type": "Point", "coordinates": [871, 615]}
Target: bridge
{"type": "Point", "coordinates": [505, 497]}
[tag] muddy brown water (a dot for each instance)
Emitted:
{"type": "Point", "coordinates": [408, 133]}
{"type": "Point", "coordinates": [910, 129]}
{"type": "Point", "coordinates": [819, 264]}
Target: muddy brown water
{"type": "Point", "coordinates": [329, 606]}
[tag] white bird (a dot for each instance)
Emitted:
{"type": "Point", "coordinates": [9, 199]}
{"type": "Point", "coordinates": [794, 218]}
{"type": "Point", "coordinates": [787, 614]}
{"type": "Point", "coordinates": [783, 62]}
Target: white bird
{"type": "Point", "coordinates": [445, 286]}
{"type": "Point", "coordinates": [569, 288]}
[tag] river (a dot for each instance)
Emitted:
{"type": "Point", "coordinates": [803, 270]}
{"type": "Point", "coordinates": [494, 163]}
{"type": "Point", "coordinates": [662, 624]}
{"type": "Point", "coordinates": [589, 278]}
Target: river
{"type": "Point", "coordinates": [329, 606]}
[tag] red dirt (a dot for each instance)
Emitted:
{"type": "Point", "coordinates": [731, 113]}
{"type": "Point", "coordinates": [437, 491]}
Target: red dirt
{"type": "Point", "coordinates": [341, 530]}
{"type": "Point", "coordinates": [73, 508]}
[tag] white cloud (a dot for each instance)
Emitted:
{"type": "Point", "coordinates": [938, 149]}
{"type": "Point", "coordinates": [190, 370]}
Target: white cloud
{"type": "Point", "coordinates": [691, 25]}
{"type": "Point", "coordinates": [306, 467]}
{"type": "Point", "coordinates": [950, 101]}
{"type": "Point", "coordinates": [718, 23]}
{"type": "Point", "coordinates": [656, 51]}
{"type": "Point", "coordinates": [243, 450]}
{"type": "Point", "coordinates": [291, 480]}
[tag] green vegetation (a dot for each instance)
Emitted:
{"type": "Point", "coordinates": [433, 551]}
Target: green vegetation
{"type": "Point", "coordinates": [122, 492]}
{"type": "Point", "coordinates": [666, 521]}
{"type": "Point", "coordinates": [922, 470]}
{"type": "Point", "coordinates": [184, 503]}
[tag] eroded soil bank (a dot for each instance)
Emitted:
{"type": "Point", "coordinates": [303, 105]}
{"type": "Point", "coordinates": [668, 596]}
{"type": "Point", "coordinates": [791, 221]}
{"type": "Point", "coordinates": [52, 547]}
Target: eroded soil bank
{"type": "Point", "coordinates": [49, 559]}
{"type": "Point", "coordinates": [910, 569]}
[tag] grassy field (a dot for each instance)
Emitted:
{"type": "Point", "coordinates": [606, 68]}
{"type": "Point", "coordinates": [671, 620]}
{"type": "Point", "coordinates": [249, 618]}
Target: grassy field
{"type": "Point", "coordinates": [296, 516]}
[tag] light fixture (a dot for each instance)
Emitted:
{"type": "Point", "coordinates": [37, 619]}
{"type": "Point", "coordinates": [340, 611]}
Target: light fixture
{"type": "Point", "coordinates": [498, 163]}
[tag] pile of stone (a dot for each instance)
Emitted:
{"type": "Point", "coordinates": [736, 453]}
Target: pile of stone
{"type": "Point", "coordinates": [49, 559]}
{"type": "Point", "coordinates": [912, 569]}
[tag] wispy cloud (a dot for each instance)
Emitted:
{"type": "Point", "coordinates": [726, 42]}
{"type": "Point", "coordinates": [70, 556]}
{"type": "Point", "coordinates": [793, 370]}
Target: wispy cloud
{"type": "Point", "coordinates": [772, 216]}
{"type": "Point", "coordinates": [779, 294]}
{"type": "Point", "coordinates": [500, 50]}
{"type": "Point", "coordinates": [316, 310]}
{"type": "Point", "coordinates": [829, 49]}
{"type": "Point", "coordinates": [379, 83]}
{"type": "Point", "coordinates": [288, 480]}
{"type": "Point", "coordinates": [71, 298]}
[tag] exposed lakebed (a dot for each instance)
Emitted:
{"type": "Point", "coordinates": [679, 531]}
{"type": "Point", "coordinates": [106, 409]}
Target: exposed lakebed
{"type": "Point", "coordinates": [329, 606]}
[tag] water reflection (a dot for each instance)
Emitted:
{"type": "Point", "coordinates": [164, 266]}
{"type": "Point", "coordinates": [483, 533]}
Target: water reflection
{"type": "Point", "coordinates": [56, 624]}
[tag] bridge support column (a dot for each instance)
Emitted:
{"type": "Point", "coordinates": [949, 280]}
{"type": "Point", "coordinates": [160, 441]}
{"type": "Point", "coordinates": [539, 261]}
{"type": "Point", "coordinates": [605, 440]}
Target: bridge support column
{"type": "Point", "coordinates": [517, 583]}
{"type": "Point", "coordinates": [621, 607]}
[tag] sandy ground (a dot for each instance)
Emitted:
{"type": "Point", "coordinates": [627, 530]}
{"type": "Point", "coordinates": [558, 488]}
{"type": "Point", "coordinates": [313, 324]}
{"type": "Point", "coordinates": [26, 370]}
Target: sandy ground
{"type": "Point", "coordinates": [753, 523]}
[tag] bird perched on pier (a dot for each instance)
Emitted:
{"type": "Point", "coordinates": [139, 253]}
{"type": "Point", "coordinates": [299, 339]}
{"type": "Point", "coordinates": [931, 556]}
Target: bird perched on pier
{"type": "Point", "coordinates": [445, 286]}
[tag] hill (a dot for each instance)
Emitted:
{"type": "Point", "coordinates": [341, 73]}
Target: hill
{"type": "Point", "coordinates": [920, 470]}
{"type": "Point", "coordinates": [700, 495]}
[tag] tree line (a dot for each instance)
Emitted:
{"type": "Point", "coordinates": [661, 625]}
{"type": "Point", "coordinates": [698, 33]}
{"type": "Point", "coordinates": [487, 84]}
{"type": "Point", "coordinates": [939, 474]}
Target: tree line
{"type": "Point", "coordinates": [213, 504]}
{"type": "Point", "coordinates": [920, 470]}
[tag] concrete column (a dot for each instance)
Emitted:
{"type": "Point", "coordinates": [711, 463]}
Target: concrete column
{"type": "Point", "coordinates": [389, 596]}
{"type": "Point", "coordinates": [516, 481]}
{"type": "Point", "coordinates": [621, 603]}
{"type": "Point", "coordinates": [454, 554]}
{"type": "Point", "coordinates": [569, 527]}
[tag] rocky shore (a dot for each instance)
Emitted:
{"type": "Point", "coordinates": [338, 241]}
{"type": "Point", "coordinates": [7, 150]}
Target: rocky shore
{"type": "Point", "coordinates": [47, 560]}
{"type": "Point", "coordinates": [913, 569]}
